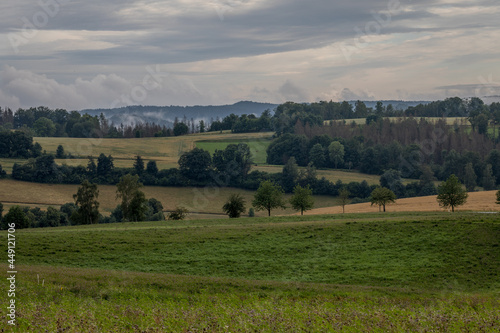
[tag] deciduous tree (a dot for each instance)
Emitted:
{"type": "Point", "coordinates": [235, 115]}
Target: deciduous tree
{"type": "Point", "coordinates": [302, 199]}
{"type": "Point", "coordinates": [344, 198]}
{"type": "Point", "coordinates": [451, 194]}
{"type": "Point", "coordinates": [88, 206]}
{"type": "Point", "coordinates": [268, 196]}
{"type": "Point", "coordinates": [234, 206]}
{"type": "Point", "coordinates": [382, 196]}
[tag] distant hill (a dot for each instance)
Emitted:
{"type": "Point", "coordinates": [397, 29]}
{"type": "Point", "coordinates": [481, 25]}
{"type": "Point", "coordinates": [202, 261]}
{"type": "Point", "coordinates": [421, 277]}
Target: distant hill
{"type": "Point", "coordinates": [165, 115]}
{"type": "Point", "coordinates": [397, 105]}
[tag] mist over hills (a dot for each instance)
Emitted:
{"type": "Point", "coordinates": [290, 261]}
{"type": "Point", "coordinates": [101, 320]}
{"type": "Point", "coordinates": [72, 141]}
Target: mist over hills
{"type": "Point", "coordinates": [165, 115]}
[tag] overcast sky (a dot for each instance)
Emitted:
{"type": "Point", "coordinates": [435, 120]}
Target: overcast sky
{"type": "Point", "coordinates": [77, 54]}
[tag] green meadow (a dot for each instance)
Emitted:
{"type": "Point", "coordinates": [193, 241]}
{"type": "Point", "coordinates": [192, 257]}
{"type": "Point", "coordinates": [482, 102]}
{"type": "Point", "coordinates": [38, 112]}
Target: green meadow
{"type": "Point", "coordinates": [391, 272]}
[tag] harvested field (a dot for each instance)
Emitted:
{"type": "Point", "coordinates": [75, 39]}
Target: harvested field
{"type": "Point", "coordinates": [477, 201]}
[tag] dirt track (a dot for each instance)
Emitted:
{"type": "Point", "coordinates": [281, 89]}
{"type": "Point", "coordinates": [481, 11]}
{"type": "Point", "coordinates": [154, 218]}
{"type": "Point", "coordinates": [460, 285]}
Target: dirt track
{"type": "Point", "coordinates": [477, 201]}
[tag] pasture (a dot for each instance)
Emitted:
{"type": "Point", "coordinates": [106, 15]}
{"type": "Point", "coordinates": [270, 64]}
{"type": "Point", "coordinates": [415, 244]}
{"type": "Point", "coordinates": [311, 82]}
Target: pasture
{"type": "Point", "coordinates": [354, 272]}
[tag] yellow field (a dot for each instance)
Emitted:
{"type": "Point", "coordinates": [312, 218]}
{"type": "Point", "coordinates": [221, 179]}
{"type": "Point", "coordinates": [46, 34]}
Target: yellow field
{"type": "Point", "coordinates": [477, 201]}
{"type": "Point", "coordinates": [201, 202]}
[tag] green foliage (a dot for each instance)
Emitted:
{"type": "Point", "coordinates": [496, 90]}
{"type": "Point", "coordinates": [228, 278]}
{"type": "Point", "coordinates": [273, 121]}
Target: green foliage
{"type": "Point", "coordinates": [382, 196]}
{"type": "Point", "coordinates": [470, 178]}
{"type": "Point", "coordinates": [498, 197]}
{"type": "Point", "coordinates": [290, 174]}
{"type": "Point", "coordinates": [268, 196]}
{"type": "Point", "coordinates": [391, 179]}
{"type": "Point", "coordinates": [139, 165]}
{"type": "Point", "coordinates": [234, 206]}
{"type": "Point", "coordinates": [1, 211]}
{"type": "Point", "coordinates": [302, 199]}
{"type": "Point", "coordinates": [337, 153]}
{"type": "Point", "coordinates": [88, 206]}
{"type": "Point", "coordinates": [60, 152]}
{"type": "Point", "coordinates": [317, 156]}
{"type": "Point", "coordinates": [251, 212]}
{"type": "Point", "coordinates": [344, 198]}
{"type": "Point", "coordinates": [104, 165]}
{"type": "Point", "coordinates": [488, 180]}
{"type": "Point", "coordinates": [195, 164]}
{"type": "Point", "coordinates": [233, 163]}
{"type": "Point", "coordinates": [451, 194]}
{"type": "Point", "coordinates": [134, 201]}
{"type": "Point", "coordinates": [16, 216]}
{"type": "Point", "coordinates": [44, 127]}
{"type": "Point", "coordinates": [180, 129]}
{"type": "Point", "coordinates": [179, 213]}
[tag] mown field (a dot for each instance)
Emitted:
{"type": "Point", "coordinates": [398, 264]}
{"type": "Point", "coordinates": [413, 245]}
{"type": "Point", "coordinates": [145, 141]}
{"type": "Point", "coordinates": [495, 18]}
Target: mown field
{"type": "Point", "coordinates": [356, 272]}
{"type": "Point", "coordinates": [205, 201]}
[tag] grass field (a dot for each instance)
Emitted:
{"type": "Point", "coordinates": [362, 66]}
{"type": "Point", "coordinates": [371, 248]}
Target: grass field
{"type": "Point", "coordinates": [257, 147]}
{"type": "Point", "coordinates": [356, 272]}
{"type": "Point", "coordinates": [206, 200]}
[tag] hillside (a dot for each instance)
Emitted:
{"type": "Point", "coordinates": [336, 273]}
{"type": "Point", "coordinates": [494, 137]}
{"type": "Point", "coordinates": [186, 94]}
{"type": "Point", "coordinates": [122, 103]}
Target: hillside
{"type": "Point", "coordinates": [165, 115]}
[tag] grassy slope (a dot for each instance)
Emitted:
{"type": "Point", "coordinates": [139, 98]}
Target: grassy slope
{"type": "Point", "coordinates": [89, 300]}
{"type": "Point", "coordinates": [205, 200]}
{"type": "Point", "coordinates": [384, 273]}
{"type": "Point", "coordinates": [430, 251]}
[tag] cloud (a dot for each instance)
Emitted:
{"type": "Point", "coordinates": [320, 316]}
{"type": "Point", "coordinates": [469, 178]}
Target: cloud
{"type": "Point", "coordinates": [91, 52]}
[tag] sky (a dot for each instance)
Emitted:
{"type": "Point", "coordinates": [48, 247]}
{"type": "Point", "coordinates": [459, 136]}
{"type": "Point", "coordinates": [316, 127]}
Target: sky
{"type": "Point", "coordinates": [77, 54]}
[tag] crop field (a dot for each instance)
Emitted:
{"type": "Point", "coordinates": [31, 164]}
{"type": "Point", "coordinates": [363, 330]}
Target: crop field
{"type": "Point", "coordinates": [205, 201]}
{"type": "Point", "coordinates": [355, 272]}
{"type": "Point", "coordinates": [484, 201]}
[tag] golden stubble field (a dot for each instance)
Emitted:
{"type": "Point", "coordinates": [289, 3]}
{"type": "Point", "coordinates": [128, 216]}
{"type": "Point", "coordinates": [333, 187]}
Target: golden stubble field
{"type": "Point", "coordinates": [477, 201]}
{"type": "Point", "coordinates": [201, 202]}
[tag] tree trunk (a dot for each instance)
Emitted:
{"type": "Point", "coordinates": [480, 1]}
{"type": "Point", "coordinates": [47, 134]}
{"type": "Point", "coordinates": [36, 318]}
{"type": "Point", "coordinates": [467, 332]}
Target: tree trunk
{"type": "Point", "coordinates": [384, 208]}
{"type": "Point", "coordinates": [301, 212]}
{"type": "Point", "coordinates": [269, 212]}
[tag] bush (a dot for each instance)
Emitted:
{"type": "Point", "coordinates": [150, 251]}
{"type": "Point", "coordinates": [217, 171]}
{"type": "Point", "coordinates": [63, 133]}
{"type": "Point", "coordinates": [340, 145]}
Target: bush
{"type": "Point", "coordinates": [178, 214]}
{"type": "Point", "coordinates": [251, 212]}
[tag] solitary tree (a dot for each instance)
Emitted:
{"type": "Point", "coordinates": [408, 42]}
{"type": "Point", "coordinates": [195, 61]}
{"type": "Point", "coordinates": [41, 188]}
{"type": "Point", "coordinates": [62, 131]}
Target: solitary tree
{"type": "Point", "coordinates": [382, 196]}
{"type": "Point", "coordinates": [344, 198]}
{"type": "Point", "coordinates": [88, 206]}
{"type": "Point", "coordinates": [133, 200]}
{"type": "Point", "coordinates": [451, 194]}
{"type": "Point", "coordinates": [268, 197]}
{"type": "Point", "coordinates": [302, 199]}
{"type": "Point", "coordinates": [234, 206]}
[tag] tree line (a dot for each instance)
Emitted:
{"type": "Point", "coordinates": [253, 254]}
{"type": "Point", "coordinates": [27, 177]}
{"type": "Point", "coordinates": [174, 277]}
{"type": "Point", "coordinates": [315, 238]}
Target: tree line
{"type": "Point", "coordinates": [413, 147]}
